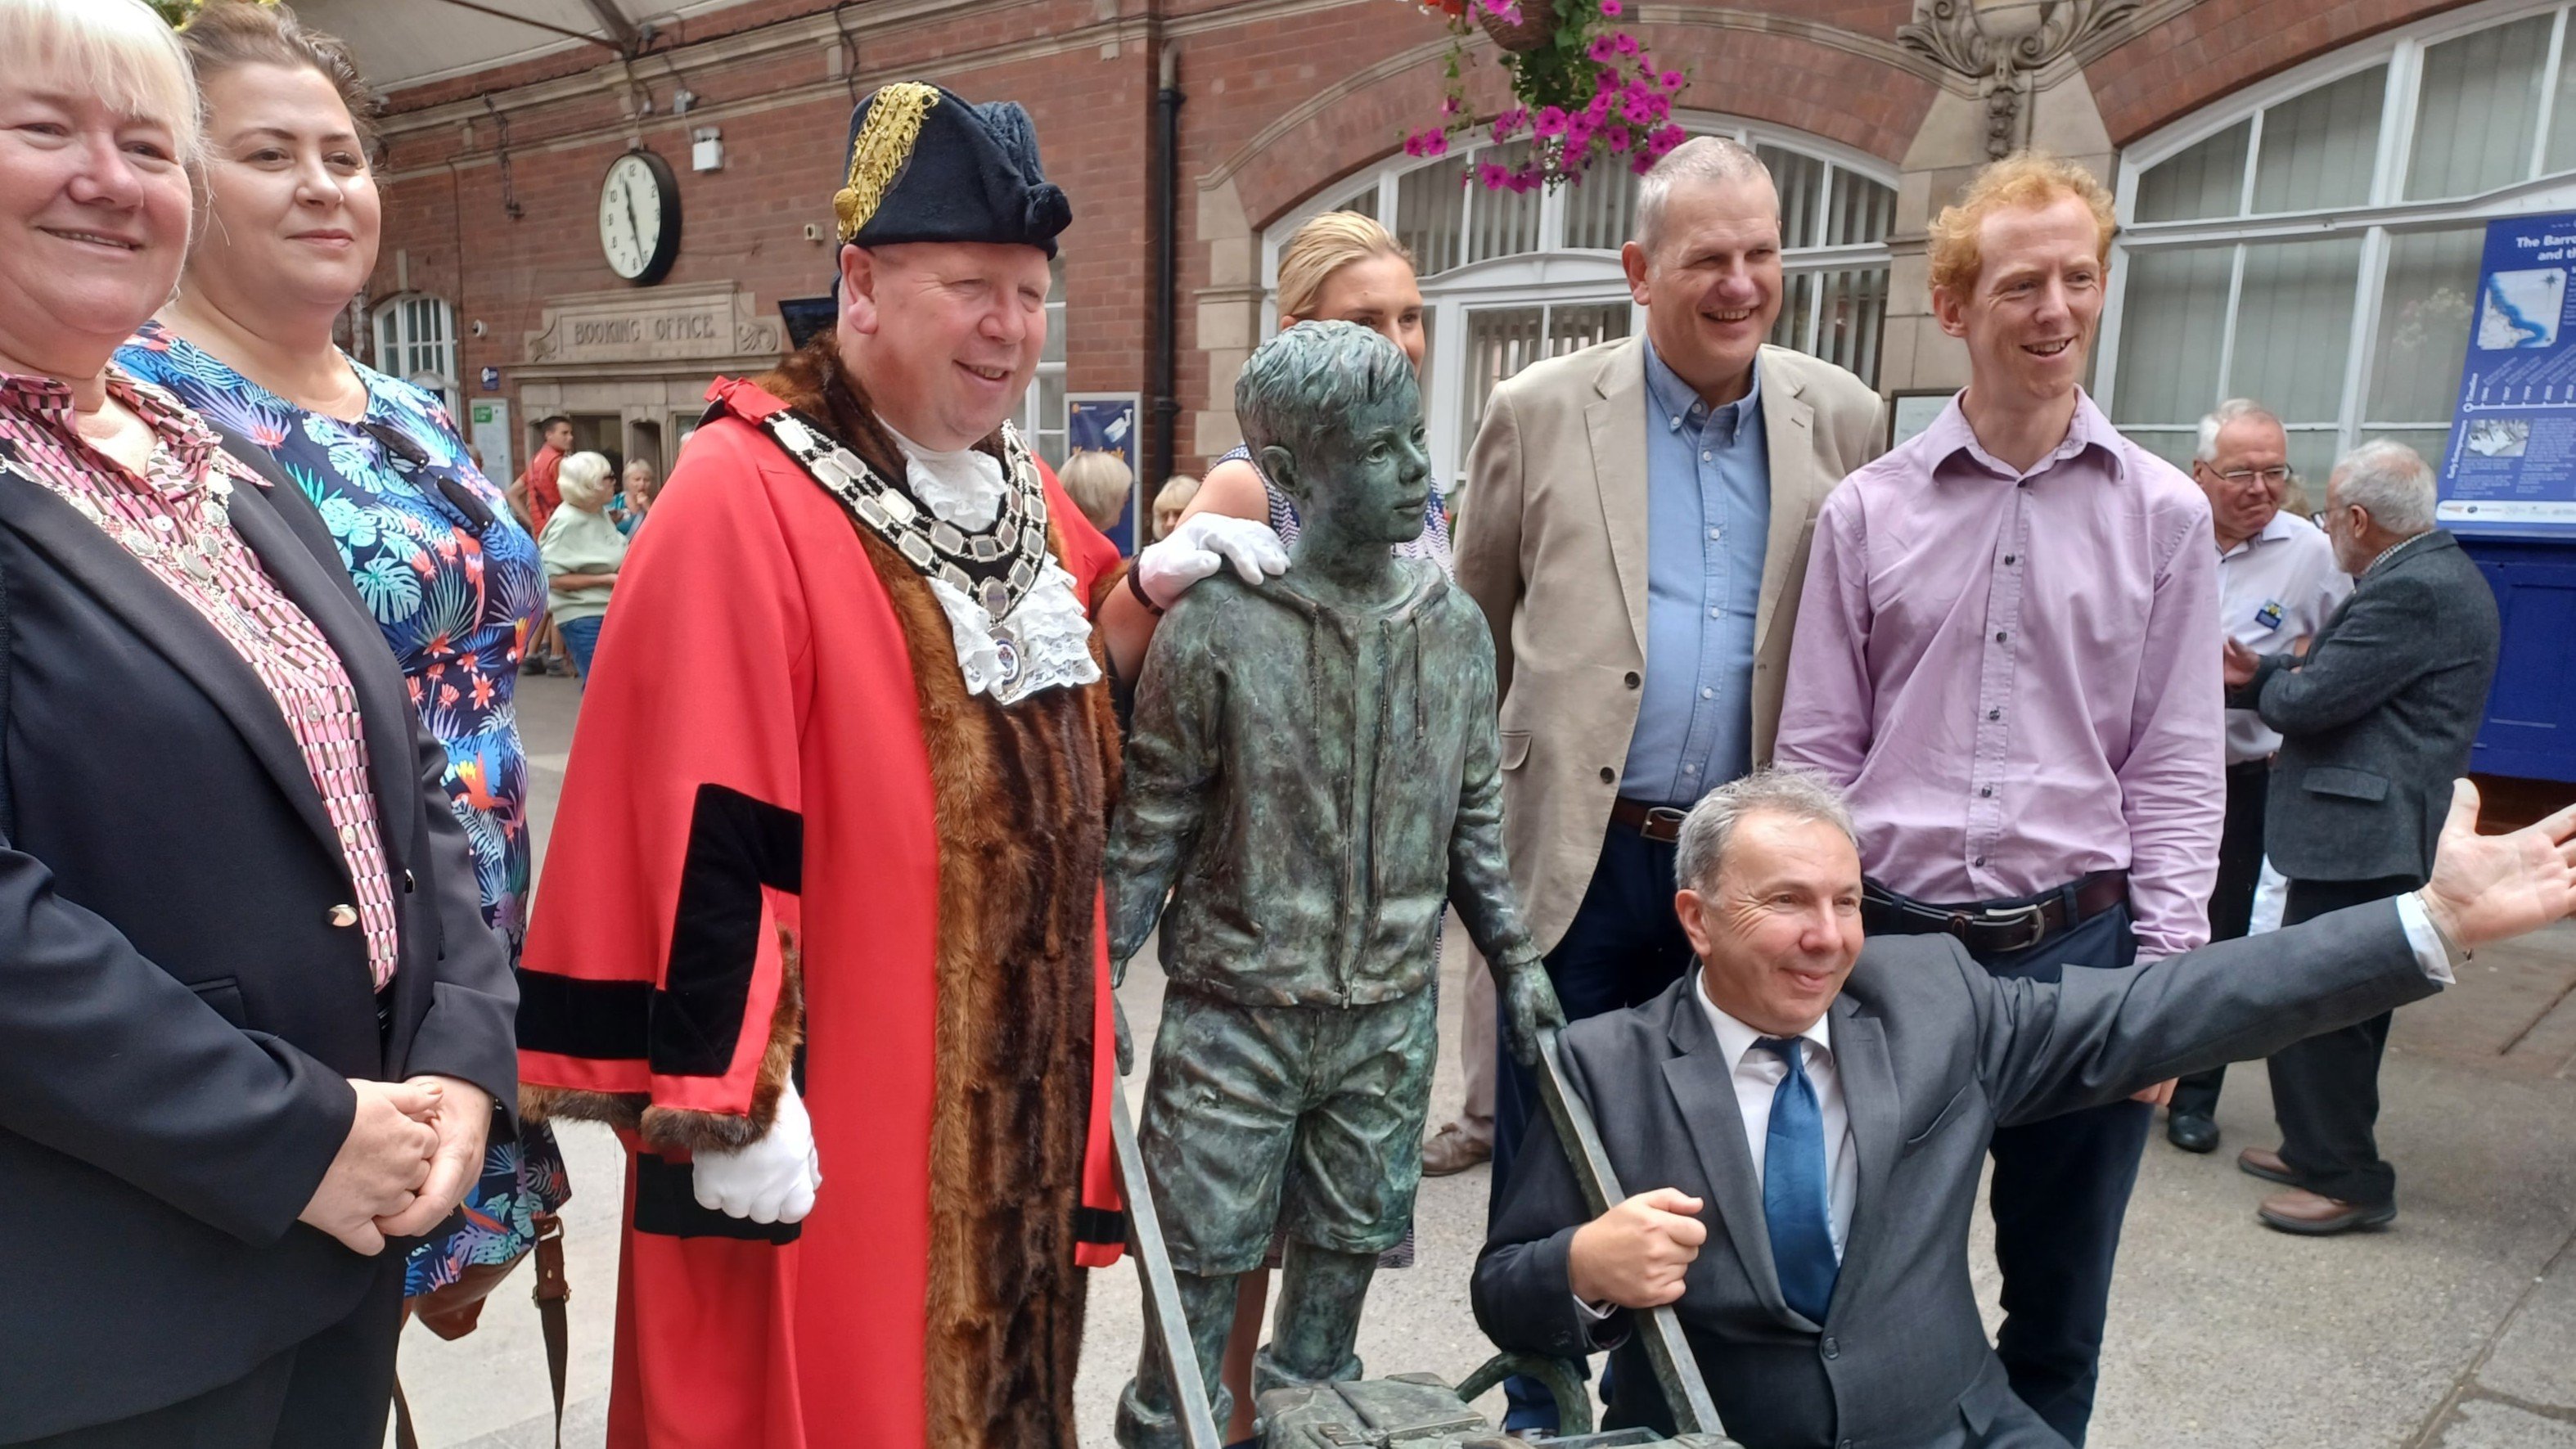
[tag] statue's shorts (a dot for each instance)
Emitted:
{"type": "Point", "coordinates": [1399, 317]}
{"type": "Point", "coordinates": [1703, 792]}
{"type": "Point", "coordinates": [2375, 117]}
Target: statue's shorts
{"type": "Point", "coordinates": [1306, 1118]}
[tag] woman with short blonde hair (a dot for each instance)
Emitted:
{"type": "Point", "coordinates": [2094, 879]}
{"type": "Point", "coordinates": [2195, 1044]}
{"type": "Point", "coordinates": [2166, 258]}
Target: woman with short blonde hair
{"type": "Point", "coordinates": [252, 1026]}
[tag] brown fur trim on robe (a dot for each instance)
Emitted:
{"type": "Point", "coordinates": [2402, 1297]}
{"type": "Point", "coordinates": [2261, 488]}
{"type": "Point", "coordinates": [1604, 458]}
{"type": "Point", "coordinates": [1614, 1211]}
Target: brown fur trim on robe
{"type": "Point", "coordinates": [1021, 796]}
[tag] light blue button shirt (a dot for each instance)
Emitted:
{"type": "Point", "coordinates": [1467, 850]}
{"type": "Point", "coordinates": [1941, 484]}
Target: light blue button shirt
{"type": "Point", "coordinates": [1708, 523]}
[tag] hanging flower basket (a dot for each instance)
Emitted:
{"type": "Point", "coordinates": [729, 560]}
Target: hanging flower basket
{"type": "Point", "coordinates": [1535, 26]}
{"type": "Point", "coordinates": [1582, 90]}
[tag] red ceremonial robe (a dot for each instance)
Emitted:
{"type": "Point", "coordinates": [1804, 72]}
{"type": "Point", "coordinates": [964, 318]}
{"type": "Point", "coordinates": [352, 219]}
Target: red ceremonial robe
{"type": "Point", "coordinates": [780, 787]}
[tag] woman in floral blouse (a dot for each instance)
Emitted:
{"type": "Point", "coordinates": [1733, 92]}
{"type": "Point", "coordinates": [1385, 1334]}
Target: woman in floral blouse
{"type": "Point", "coordinates": [450, 577]}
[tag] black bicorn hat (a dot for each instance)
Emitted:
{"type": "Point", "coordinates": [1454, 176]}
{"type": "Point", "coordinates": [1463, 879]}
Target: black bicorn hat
{"type": "Point", "coordinates": [928, 165]}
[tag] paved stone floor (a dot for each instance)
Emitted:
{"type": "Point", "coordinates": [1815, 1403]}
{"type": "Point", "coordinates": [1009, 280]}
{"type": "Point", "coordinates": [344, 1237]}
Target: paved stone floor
{"type": "Point", "coordinates": [2454, 1329]}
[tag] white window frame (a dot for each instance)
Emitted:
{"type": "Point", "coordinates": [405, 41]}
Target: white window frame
{"type": "Point", "coordinates": [2385, 214]}
{"type": "Point", "coordinates": [1552, 273]}
{"type": "Point", "coordinates": [393, 343]}
{"type": "Point", "coordinates": [1034, 424]}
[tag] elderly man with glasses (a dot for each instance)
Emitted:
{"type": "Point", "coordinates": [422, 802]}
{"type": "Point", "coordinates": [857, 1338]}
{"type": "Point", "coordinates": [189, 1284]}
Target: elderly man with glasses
{"type": "Point", "coordinates": [2277, 585]}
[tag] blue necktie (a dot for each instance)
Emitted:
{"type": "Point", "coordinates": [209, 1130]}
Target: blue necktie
{"type": "Point", "coordinates": [1795, 1201]}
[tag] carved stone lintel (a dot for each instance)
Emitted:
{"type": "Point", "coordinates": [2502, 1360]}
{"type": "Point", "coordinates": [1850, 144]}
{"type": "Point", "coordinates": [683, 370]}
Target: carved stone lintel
{"type": "Point", "coordinates": [1999, 47]}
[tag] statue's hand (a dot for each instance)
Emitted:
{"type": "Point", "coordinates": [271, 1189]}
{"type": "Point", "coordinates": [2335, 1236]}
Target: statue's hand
{"type": "Point", "coordinates": [1531, 999]}
{"type": "Point", "coordinates": [2495, 887]}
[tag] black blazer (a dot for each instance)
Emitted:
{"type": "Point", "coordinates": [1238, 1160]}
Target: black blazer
{"type": "Point", "coordinates": [1934, 1053]}
{"type": "Point", "coordinates": [178, 1011]}
{"type": "Point", "coordinates": [2379, 719]}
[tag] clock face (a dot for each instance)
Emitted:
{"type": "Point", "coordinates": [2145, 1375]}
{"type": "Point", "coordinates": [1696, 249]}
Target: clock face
{"type": "Point", "coordinates": [639, 213]}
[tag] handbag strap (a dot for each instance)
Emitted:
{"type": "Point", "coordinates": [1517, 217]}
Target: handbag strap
{"type": "Point", "coordinates": [552, 1293]}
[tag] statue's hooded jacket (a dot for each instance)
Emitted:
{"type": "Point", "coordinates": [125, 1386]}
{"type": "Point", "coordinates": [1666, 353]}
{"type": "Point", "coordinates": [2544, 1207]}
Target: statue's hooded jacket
{"type": "Point", "coordinates": [780, 788]}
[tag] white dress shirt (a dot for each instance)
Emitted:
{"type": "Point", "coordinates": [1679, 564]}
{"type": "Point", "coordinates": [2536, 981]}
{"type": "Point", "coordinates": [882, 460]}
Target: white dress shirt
{"type": "Point", "coordinates": [2274, 589]}
{"type": "Point", "coordinates": [1758, 1075]}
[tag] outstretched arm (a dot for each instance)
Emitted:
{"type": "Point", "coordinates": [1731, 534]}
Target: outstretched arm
{"type": "Point", "coordinates": [2101, 1034]}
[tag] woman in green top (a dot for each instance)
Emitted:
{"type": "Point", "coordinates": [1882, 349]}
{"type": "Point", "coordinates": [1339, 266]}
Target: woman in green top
{"type": "Point", "coordinates": [582, 550]}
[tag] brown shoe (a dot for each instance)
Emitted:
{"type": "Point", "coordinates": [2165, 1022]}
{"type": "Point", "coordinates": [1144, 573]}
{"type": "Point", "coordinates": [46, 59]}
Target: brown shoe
{"type": "Point", "coordinates": [1451, 1150]}
{"type": "Point", "coordinates": [2266, 1164]}
{"type": "Point", "coordinates": [2311, 1215]}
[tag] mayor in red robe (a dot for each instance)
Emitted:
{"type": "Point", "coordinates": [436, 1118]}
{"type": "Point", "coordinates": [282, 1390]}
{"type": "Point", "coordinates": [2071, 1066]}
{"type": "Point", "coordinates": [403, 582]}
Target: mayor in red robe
{"type": "Point", "coordinates": [829, 850]}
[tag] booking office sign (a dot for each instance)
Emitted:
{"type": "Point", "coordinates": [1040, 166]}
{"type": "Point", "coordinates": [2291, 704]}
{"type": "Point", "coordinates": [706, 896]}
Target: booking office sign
{"type": "Point", "coordinates": [2510, 467]}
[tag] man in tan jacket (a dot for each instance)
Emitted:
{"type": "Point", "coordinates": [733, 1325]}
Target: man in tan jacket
{"type": "Point", "coordinates": [1635, 529]}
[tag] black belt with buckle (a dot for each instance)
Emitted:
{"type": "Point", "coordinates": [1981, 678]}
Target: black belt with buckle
{"type": "Point", "coordinates": [1661, 824]}
{"type": "Point", "coordinates": [1996, 927]}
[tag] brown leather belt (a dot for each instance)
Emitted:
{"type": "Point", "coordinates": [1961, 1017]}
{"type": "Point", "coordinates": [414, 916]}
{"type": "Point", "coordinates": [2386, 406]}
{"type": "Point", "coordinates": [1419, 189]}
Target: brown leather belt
{"type": "Point", "coordinates": [1659, 823]}
{"type": "Point", "coordinates": [1995, 927]}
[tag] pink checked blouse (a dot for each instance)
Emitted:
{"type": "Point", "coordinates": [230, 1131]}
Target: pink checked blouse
{"type": "Point", "coordinates": [172, 520]}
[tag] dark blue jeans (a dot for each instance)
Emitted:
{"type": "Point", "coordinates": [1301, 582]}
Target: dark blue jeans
{"type": "Point", "coordinates": [2060, 1190]}
{"type": "Point", "coordinates": [1623, 948]}
{"type": "Point", "coordinates": [580, 637]}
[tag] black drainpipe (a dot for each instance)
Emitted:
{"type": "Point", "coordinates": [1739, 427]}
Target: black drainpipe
{"type": "Point", "coordinates": [1167, 309]}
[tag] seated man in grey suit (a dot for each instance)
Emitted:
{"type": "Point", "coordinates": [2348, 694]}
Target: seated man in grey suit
{"type": "Point", "coordinates": [1803, 1120]}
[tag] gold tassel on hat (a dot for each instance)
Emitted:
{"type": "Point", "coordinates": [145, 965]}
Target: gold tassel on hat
{"type": "Point", "coordinates": [884, 145]}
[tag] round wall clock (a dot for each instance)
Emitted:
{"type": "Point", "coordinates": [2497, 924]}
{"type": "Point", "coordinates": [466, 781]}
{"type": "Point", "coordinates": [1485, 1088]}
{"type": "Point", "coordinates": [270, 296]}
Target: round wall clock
{"type": "Point", "coordinates": [639, 217]}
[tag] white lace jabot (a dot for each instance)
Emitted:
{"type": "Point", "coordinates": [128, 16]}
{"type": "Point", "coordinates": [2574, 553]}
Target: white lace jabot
{"type": "Point", "coordinates": [1042, 643]}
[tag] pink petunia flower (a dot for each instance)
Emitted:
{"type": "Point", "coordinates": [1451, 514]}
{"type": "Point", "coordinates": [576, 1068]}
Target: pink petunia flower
{"type": "Point", "coordinates": [1626, 45]}
{"type": "Point", "coordinates": [1603, 48]}
{"type": "Point", "coordinates": [1550, 121]}
{"type": "Point", "coordinates": [1612, 8]}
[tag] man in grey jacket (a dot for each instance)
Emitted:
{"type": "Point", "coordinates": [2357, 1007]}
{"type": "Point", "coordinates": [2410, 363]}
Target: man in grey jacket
{"type": "Point", "coordinates": [1803, 1120]}
{"type": "Point", "coordinates": [2375, 723]}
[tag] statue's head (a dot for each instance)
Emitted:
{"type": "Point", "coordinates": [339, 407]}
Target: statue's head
{"type": "Point", "coordinates": [1334, 414]}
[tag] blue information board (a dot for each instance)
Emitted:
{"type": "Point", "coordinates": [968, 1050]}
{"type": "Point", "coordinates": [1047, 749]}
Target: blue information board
{"type": "Point", "coordinates": [2510, 468]}
{"type": "Point", "coordinates": [1106, 422]}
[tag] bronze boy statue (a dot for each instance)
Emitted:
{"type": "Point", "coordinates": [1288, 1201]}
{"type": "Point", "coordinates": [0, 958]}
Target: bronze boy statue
{"type": "Point", "coordinates": [1312, 779]}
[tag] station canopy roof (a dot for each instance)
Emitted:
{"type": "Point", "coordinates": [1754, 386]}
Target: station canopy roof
{"type": "Point", "coordinates": [403, 43]}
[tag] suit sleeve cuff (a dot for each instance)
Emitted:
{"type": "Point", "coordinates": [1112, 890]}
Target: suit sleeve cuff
{"type": "Point", "coordinates": [2432, 952]}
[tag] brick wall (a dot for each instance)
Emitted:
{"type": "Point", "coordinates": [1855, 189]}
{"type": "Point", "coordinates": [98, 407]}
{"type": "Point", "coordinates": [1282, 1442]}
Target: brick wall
{"type": "Point", "coordinates": [1284, 98]}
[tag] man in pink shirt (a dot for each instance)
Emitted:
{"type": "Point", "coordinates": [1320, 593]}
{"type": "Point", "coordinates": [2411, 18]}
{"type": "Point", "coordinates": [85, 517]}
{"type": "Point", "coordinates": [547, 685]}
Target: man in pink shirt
{"type": "Point", "coordinates": [2008, 657]}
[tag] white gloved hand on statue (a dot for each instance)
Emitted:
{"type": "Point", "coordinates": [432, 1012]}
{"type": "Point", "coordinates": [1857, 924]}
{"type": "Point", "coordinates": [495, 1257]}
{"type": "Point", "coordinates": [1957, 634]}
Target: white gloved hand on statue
{"type": "Point", "coordinates": [770, 1181]}
{"type": "Point", "coordinates": [1202, 544]}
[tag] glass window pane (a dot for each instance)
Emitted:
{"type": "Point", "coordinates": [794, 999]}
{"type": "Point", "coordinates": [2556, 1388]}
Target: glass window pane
{"type": "Point", "coordinates": [1861, 210]}
{"type": "Point", "coordinates": [2319, 149]}
{"type": "Point", "coordinates": [2424, 309]}
{"type": "Point", "coordinates": [1801, 180]}
{"type": "Point", "coordinates": [2174, 445]}
{"type": "Point", "coordinates": [2429, 443]}
{"type": "Point", "coordinates": [1500, 341]}
{"type": "Point", "coordinates": [1502, 223]}
{"type": "Point", "coordinates": [1050, 419]}
{"type": "Point", "coordinates": [2294, 327]}
{"type": "Point", "coordinates": [1855, 313]}
{"type": "Point", "coordinates": [2312, 455]}
{"type": "Point", "coordinates": [1601, 207]}
{"type": "Point", "coordinates": [1573, 328]}
{"type": "Point", "coordinates": [2562, 116]}
{"type": "Point", "coordinates": [1797, 304]}
{"type": "Point", "coordinates": [1429, 206]}
{"type": "Point", "coordinates": [2171, 325]}
{"type": "Point", "coordinates": [2208, 179]}
{"type": "Point", "coordinates": [2475, 116]}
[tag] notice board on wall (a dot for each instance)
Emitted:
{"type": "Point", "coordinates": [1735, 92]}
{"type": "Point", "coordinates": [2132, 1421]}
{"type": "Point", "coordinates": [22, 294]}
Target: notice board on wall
{"type": "Point", "coordinates": [2510, 466]}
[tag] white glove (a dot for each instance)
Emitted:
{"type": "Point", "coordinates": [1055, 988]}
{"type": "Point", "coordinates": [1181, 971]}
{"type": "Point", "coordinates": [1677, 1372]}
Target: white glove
{"type": "Point", "coordinates": [1202, 544]}
{"type": "Point", "coordinates": [772, 1180]}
